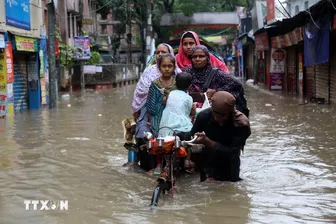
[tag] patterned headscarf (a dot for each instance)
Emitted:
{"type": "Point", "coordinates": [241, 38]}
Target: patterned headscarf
{"type": "Point", "coordinates": [205, 50]}
{"type": "Point", "coordinates": [148, 76]}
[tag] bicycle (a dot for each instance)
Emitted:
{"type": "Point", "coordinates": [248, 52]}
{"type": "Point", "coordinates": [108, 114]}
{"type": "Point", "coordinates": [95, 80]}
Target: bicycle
{"type": "Point", "coordinates": [172, 150]}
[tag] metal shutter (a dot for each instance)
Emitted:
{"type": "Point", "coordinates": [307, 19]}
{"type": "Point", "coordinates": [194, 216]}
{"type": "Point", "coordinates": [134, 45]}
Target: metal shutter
{"type": "Point", "coordinates": [308, 87]}
{"type": "Point", "coordinates": [20, 83]}
{"type": "Point", "coordinates": [291, 70]}
{"type": "Point", "coordinates": [321, 79]}
{"type": "Point", "coordinates": [333, 78]}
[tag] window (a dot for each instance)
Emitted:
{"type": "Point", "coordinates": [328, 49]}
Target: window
{"type": "Point", "coordinates": [297, 9]}
{"type": "Point", "coordinates": [306, 5]}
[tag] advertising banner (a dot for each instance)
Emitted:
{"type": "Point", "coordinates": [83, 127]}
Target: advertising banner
{"type": "Point", "coordinates": [82, 48]}
{"type": "Point", "coordinates": [270, 11]}
{"type": "Point", "coordinates": [9, 62]}
{"type": "Point", "coordinates": [18, 13]}
{"type": "Point", "coordinates": [277, 69]}
{"type": "Point", "coordinates": [2, 41]}
{"type": "Point", "coordinates": [278, 61]}
{"type": "Point", "coordinates": [26, 44]}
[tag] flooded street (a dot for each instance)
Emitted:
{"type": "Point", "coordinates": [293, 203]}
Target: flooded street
{"type": "Point", "coordinates": [76, 153]}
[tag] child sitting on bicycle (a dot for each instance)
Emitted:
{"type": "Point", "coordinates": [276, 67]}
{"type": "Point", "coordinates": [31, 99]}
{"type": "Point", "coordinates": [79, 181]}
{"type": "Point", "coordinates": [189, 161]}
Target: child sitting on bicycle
{"type": "Point", "coordinates": [177, 114]}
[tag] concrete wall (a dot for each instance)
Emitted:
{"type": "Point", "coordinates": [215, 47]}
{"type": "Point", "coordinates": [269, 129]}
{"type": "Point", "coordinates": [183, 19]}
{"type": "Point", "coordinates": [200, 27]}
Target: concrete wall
{"type": "Point", "coordinates": [113, 74]}
{"type": "Point", "coordinates": [300, 4]}
{"type": "Point", "coordinates": [36, 20]}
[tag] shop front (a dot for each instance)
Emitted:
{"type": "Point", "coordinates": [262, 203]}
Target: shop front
{"type": "Point", "coordinates": [26, 86]}
{"type": "Point", "coordinates": [261, 48]}
{"type": "Point", "coordinates": [247, 50]}
{"type": "Point", "coordinates": [3, 77]}
{"type": "Point", "coordinates": [317, 54]}
{"type": "Point", "coordinates": [293, 74]}
{"type": "Point", "coordinates": [333, 65]}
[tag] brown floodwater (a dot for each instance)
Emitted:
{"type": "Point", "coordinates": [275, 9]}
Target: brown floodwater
{"type": "Point", "coordinates": [75, 153]}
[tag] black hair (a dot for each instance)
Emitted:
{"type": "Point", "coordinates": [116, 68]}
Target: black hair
{"type": "Point", "coordinates": [188, 35]}
{"type": "Point", "coordinates": [162, 56]}
{"type": "Point", "coordinates": [183, 80]}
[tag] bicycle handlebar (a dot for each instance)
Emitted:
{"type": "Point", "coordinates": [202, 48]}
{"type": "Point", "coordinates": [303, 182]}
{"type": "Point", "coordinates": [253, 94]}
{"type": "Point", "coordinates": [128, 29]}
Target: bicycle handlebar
{"type": "Point", "coordinates": [149, 136]}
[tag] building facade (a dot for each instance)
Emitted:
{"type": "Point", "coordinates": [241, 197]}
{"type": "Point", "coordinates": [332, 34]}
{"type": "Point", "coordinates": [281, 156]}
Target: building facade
{"type": "Point", "coordinates": [296, 6]}
{"type": "Point", "coordinates": [22, 58]}
{"type": "Point", "coordinates": [297, 55]}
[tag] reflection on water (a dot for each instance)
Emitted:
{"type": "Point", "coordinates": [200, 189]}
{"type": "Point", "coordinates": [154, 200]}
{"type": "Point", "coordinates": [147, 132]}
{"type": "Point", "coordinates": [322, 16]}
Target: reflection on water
{"type": "Point", "coordinates": [75, 153]}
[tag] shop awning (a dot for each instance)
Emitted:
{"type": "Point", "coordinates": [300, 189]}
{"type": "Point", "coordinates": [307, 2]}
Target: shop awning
{"type": "Point", "coordinates": [245, 39]}
{"type": "Point", "coordinates": [287, 25]}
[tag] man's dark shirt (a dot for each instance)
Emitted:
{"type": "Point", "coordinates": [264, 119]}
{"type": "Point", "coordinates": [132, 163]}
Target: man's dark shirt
{"type": "Point", "coordinates": [222, 162]}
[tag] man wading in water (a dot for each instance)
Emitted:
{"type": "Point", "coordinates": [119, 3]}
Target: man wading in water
{"type": "Point", "coordinates": [225, 132]}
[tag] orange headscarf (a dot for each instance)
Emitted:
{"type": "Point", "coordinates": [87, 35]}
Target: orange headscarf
{"type": "Point", "coordinates": [183, 60]}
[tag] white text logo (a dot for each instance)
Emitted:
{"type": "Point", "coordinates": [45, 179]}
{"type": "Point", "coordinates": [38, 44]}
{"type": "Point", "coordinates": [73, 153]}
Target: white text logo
{"type": "Point", "coordinates": [46, 205]}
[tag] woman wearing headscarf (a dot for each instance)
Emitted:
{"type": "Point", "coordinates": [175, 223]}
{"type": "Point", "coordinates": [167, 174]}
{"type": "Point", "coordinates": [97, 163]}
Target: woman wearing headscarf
{"type": "Point", "coordinates": [139, 109]}
{"type": "Point", "coordinates": [150, 74]}
{"type": "Point", "coordinates": [189, 40]}
{"type": "Point", "coordinates": [202, 69]}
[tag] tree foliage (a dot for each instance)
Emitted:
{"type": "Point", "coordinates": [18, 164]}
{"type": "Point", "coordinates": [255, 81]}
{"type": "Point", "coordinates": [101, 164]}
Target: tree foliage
{"type": "Point", "coordinates": [139, 13]}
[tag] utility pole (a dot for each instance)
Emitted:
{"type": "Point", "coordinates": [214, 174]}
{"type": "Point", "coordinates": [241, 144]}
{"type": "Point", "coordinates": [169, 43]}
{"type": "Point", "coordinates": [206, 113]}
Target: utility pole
{"type": "Point", "coordinates": [51, 56]}
{"type": "Point", "coordinates": [129, 36]}
{"type": "Point", "coordinates": [80, 27]}
{"type": "Point", "coordinates": [149, 29]}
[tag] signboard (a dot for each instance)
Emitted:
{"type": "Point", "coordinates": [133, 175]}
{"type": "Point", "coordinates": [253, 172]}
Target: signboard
{"type": "Point", "coordinates": [3, 104]}
{"type": "Point", "coordinates": [287, 40]}
{"type": "Point", "coordinates": [300, 81]}
{"type": "Point", "coordinates": [270, 11]}
{"type": "Point", "coordinates": [43, 91]}
{"type": "Point", "coordinates": [3, 84]}
{"type": "Point", "coordinates": [88, 21]}
{"type": "Point", "coordinates": [89, 69]}
{"type": "Point", "coordinates": [82, 48]}
{"type": "Point", "coordinates": [57, 48]}
{"type": "Point", "coordinates": [277, 69]}
{"type": "Point", "coordinates": [261, 42]}
{"type": "Point", "coordinates": [278, 59]}
{"type": "Point", "coordinates": [3, 72]}
{"type": "Point", "coordinates": [9, 62]}
{"type": "Point", "coordinates": [277, 81]}
{"type": "Point", "coordinates": [99, 69]}
{"type": "Point", "coordinates": [2, 41]}
{"type": "Point", "coordinates": [10, 93]}
{"type": "Point", "coordinates": [18, 13]}
{"type": "Point", "coordinates": [26, 44]}
{"type": "Point", "coordinates": [41, 56]}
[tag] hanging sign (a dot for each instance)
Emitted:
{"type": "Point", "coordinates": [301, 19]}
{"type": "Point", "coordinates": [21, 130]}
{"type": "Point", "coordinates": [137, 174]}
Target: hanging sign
{"type": "Point", "coordinates": [9, 62]}
{"type": "Point", "coordinates": [278, 59]}
{"type": "Point", "coordinates": [261, 42]}
{"type": "Point", "coordinates": [57, 48]}
{"type": "Point", "coordinates": [287, 40]}
{"type": "Point", "coordinates": [82, 48]}
{"type": "Point", "coordinates": [3, 75]}
{"type": "Point", "coordinates": [26, 44]}
{"type": "Point", "coordinates": [300, 83]}
{"type": "Point", "coordinates": [277, 69]}
{"type": "Point", "coordinates": [270, 11]}
{"type": "Point", "coordinates": [2, 41]}
{"type": "Point", "coordinates": [3, 83]}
